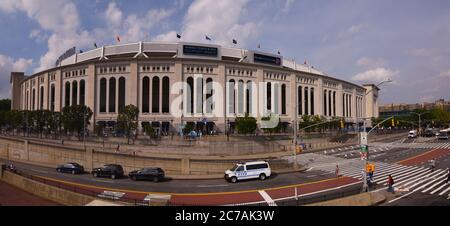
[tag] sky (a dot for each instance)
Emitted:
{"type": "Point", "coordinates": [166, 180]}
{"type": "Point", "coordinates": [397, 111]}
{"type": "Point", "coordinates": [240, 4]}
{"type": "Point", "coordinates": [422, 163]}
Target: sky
{"type": "Point", "coordinates": [361, 41]}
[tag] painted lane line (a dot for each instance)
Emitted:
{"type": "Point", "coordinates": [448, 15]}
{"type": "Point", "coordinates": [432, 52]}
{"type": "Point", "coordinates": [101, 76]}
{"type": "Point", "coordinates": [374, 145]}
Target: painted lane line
{"type": "Point", "coordinates": [211, 186]}
{"type": "Point", "coordinates": [439, 188]}
{"type": "Point", "coordinates": [395, 173]}
{"type": "Point", "coordinates": [404, 180]}
{"type": "Point", "coordinates": [432, 181]}
{"type": "Point", "coordinates": [393, 200]}
{"type": "Point", "coordinates": [267, 198]}
{"type": "Point", "coordinates": [446, 190]}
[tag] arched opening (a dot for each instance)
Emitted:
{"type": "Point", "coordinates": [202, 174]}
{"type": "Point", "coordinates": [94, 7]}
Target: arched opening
{"type": "Point", "coordinates": [41, 98]}
{"type": "Point", "coordinates": [112, 95]}
{"type": "Point", "coordinates": [190, 95]}
{"type": "Point", "coordinates": [306, 101]}
{"type": "Point", "coordinates": [312, 101]}
{"type": "Point", "coordinates": [67, 95]}
{"type": "Point", "coordinates": [329, 103]}
{"type": "Point", "coordinates": [74, 93]}
{"type": "Point", "coordinates": [299, 100]}
{"type": "Point", "coordinates": [269, 95]}
{"type": "Point", "coordinates": [248, 95]}
{"type": "Point", "coordinates": [52, 97]}
{"type": "Point", "coordinates": [122, 93]}
{"type": "Point", "coordinates": [325, 103]}
{"type": "Point", "coordinates": [145, 95]}
{"type": "Point", "coordinates": [102, 95]}
{"type": "Point", "coordinates": [209, 95]}
{"type": "Point", "coordinates": [82, 92]}
{"type": "Point", "coordinates": [34, 99]}
{"type": "Point", "coordinates": [283, 99]}
{"type": "Point", "coordinates": [165, 94]}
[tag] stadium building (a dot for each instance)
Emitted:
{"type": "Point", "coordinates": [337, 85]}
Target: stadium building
{"type": "Point", "coordinates": [144, 74]}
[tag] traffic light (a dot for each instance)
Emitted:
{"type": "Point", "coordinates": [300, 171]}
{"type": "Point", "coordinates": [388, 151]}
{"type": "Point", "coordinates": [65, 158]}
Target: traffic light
{"type": "Point", "coordinates": [342, 123]}
{"type": "Point", "coordinates": [398, 122]}
{"type": "Point", "coordinates": [392, 122]}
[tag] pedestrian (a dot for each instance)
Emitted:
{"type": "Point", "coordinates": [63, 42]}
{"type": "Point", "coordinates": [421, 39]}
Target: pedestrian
{"type": "Point", "coordinates": [337, 171]}
{"type": "Point", "coordinates": [432, 164]}
{"type": "Point", "coordinates": [390, 184]}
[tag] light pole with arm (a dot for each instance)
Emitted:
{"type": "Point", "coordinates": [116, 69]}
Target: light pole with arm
{"type": "Point", "coordinates": [364, 126]}
{"type": "Point", "coordinates": [420, 125]}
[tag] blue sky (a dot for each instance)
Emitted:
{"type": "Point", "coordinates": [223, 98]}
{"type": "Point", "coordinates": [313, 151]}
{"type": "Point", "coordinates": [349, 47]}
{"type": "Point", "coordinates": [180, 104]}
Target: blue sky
{"type": "Point", "coordinates": [361, 41]}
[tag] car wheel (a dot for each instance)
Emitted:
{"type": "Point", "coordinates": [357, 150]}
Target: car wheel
{"type": "Point", "coordinates": [95, 175]}
{"type": "Point", "coordinates": [113, 176]}
{"type": "Point", "coordinates": [155, 179]}
{"type": "Point", "coordinates": [262, 176]}
{"type": "Point", "coordinates": [73, 172]}
{"type": "Point", "coordinates": [233, 180]}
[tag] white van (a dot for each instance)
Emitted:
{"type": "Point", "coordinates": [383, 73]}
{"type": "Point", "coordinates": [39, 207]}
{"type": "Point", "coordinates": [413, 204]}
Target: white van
{"type": "Point", "coordinates": [248, 170]}
{"type": "Point", "coordinates": [412, 134]}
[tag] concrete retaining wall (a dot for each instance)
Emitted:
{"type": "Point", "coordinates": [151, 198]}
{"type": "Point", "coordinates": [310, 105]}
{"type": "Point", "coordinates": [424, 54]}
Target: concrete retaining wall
{"type": "Point", "coordinates": [54, 194]}
{"type": "Point", "coordinates": [364, 199]}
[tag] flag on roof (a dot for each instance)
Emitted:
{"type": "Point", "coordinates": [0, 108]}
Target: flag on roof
{"type": "Point", "coordinates": [279, 52]}
{"type": "Point", "coordinates": [207, 38]}
{"type": "Point", "coordinates": [118, 38]}
{"type": "Point", "coordinates": [305, 62]}
{"type": "Point", "coordinates": [81, 51]}
{"type": "Point", "coordinates": [234, 41]}
{"type": "Point", "coordinates": [178, 36]}
{"type": "Point", "coordinates": [95, 44]}
{"type": "Point", "coordinates": [259, 46]}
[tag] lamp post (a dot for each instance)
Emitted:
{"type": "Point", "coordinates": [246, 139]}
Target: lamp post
{"type": "Point", "coordinates": [420, 125]}
{"type": "Point", "coordinates": [364, 188]}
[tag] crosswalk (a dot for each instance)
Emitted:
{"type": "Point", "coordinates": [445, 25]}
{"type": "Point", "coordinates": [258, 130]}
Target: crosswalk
{"type": "Point", "coordinates": [407, 178]}
{"type": "Point", "coordinates": [354, 151]}
{"type": "Point", "coordinates": [416, 145]}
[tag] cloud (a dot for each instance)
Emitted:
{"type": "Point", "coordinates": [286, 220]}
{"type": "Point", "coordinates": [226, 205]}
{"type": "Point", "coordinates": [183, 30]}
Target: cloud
{"type": "Point", "coordinates": [421, 52]}
{"type": "Point", "coordinates": [113, 15]}
{"type": "Point", "coordinates": [287, 6]}
{"type": "Point", "coordinates": [445, 74]}
{"type": "Point", "coordinates": [8, 65]}
{"type": "Point", "coordinates": [220, 20]}
{"type": "Point", "coordinates": [375, 75]}
{"type": "Point", "coordinates": [352, 30]}
{"type": "Point", "coordinates": [371, 63]}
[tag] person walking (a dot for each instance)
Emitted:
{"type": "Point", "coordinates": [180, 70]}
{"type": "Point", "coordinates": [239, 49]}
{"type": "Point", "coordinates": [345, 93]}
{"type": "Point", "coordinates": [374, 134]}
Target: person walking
{"type": "Point", "coordinates": [390, 184]}
{"type": "Point", "coordinates": [336, 171]}
{"type": "Point", "coordinates": [432, 165]}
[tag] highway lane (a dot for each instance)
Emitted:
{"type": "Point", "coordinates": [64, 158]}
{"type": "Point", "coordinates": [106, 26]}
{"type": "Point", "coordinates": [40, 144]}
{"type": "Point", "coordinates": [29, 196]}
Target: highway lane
{"type": "Point", "coordinates": [177, 186]}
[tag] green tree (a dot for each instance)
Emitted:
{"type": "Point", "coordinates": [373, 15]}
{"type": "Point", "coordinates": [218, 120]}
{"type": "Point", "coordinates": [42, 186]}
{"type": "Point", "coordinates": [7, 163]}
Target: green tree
{"type": "Point", "coordinates": [5, 105]}
{"type": "Point", "coordinates": [246, 124]}
{"type": "Point", "coordinates": [188, 128]}
{"type": "Point", "coordinates": [127, 120]}
{"type": "Point", "coordinates": [13, 119]}
{"type": "Point", "coordinates": [76, 118]}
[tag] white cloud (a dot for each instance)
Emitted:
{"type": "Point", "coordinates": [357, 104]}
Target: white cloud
{"type": "Point", "coordinates": [287, 6]}
{"type": "Point", "coordinates": [221, 20]}
{"type": "Point", "coordinates": [445, 74]}
{"type": "Point", "coordinates": [8, 65]}
{"type": "Point", "coordinates": [113, 15]}
{"type": "Point", "coordinates": [421, 52]}
{"type": "Point", "coordinates": [371, 63]}
{"type": "Point", "coordinates": [352, 30]}
{"type": "Point", "coordinates": [375, 75]}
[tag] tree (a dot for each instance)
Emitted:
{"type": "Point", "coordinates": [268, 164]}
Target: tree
{"type": "Point", "coordinates": [127, 120]}
{"type": "Point", "coordinates": [5, 105]}
{"type": "Point", "coordinates": [13, 119]}
{"type": "Point", "coordinates": [188, 128]}
{"type": "Point", "coordinates": [246, 124]}
{"type": "Point", "coordinates": [76, 118]}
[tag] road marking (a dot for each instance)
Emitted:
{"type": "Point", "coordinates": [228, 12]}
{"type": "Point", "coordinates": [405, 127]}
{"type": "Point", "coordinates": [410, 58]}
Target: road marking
{"type": "Point", "coordinates": [267, 198]}
{"type": "Point", "coordinates": [210, 186]}
{"type": "Point", "coordinates": [393, 200]}
{"type": "Point", "coordinates": [105, 181]}
{"type": "Point", "coordinates": [311, 176]}
{"type": "Point", "coordinates": [439, 188]}
{"type": "Point", "coordinates": [442, 173]}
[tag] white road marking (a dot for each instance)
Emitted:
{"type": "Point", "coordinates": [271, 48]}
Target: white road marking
{"type": "Point", "coordinates": [211, 186]}
{"type": "Point", "coordinates": [443, 192]}
{"type": "Point", "coordinates": [393, 200]}
{"type": "Point", "coordinates": [267, 198]}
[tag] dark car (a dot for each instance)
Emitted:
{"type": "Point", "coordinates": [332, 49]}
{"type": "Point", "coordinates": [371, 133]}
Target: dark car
{"type": "Point", "coordinates": [110, 170]}
{"type": "Point", "coordinates": [428, 133]}
{"type": "Point", "coordinates": [154, 174]}
{"type": "Point", "coordinates": [72, 167]}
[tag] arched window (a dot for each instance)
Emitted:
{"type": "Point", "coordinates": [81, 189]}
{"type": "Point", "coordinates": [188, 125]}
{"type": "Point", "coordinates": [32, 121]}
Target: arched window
{"type": "Point", "coordinates": [67, 96]}
{"type": "Point", "coordinates": [306, 101]}
{"type": "Point", "coordinates": [155, 94]}
{"type": "Point", "coordinates": [231, 97]}
{"type": "Point", "coordinates": [52, 97]}
{"type": "Point", "coordinates": [334, 103]}
{"type": "Point", "coordinates": [74, 93]}
{"type": "Point", "coordinates": [325, 103]}
{"type": "Point", "coordinates": [82, 92]}
{"type": "Point", "coordinates": [312, 100]}
{"type": "Point", "coordinates": [34, 99]}
{"type": "Point", "coordinates": [248, 96]}
{"type": "Point", "coordinates": [283, 99]}
{"type": "Point", "coordinates": [27, 102]}
{"type": "Point", "coordinates": [299, 100]}
{"type": "Point", "coordinates": [145, 95]}
{"type": "Point", "coordinates": [269, 95]}
{"type": "Point", "coordinates": [343, 106]}
{"type": "Point", "coordinates": [41, 99]}
{"type": "Point", "coordinates": [329, 103]}
{"type": "Point", "coordinates": [165, 94]}
{"type": "Point", "coordinates": [240, 97]}
{"type": "Point", "coordinates": [112, 95]}
{"type": "Point", "coordinates": [199, 104]}
{"type": "Point", "coordinates": [103, 95]}
{"type": "Point", "coordinates": [190, 95]}
{"type": "Point", "coordinates": [122, 93]}
{"type": "Point", "coordinates": [209, 95]}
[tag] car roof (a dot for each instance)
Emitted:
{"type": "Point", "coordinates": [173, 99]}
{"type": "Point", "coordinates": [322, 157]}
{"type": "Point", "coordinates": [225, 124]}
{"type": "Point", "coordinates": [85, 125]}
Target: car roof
{"type": "Point", "coordinates": [255, 162]}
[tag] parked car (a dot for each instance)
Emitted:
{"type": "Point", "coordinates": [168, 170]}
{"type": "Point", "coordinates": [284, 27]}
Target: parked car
{"type": "Point", "coordinates": [443, 135]}
{"type": "Point", "coordinates": [109, 170]}
{"type": "Point", "coordinates": [248, 170]}
{"type": "Point", "coordinates": [153, 174]}
{"type": "Point", "coordinates": [428, 133]}
{"type": "Point", "coordinates": [72, 167]}
{"type": "Point", "coordinates": [412, 134]}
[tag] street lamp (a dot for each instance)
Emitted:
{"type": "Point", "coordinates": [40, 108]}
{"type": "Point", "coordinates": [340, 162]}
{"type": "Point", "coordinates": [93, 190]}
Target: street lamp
{"type": "Point", "coordinates": [420, 125]}
{"type": "Point", "coordinates": [366, 140]}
